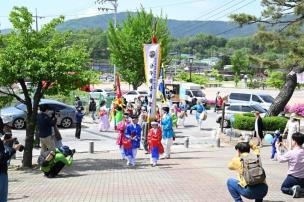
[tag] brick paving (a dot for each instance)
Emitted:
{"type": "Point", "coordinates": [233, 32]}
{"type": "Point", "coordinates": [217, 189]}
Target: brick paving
{"type": "Point", "coordinates": [195, 174]}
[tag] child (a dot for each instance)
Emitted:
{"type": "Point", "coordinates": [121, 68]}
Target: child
{"type": "Point", "coordinates": [277, 134]}
{"type": "Point", "coordinates": [154, 142]}
{"type": "Point", "coordinates": [173, 117]}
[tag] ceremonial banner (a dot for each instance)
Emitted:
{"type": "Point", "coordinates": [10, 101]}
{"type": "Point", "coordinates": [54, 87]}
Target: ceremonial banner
{"type": "Point", "coordinates": [118, 91]}
{"type": "Point", "coordinates": [152, 60]}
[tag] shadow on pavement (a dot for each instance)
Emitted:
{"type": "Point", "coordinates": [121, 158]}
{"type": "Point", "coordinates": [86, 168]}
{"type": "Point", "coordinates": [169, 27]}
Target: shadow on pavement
{"type": "Point", "coordinates": [17, 198]}
{"type": "Point", "coordinates": [189, 158]}
{"type": "Point", "coordinates": [190, 126]}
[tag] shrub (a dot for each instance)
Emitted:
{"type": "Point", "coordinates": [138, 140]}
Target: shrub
{"type": "Point", "coordinates": [244, 122]}
{"type": "Point", "coordinates": [274, 123]}
{"type": "Point", "coordinates": [298, 109]}
{"type": "Point", "coordinates": [249, 114]}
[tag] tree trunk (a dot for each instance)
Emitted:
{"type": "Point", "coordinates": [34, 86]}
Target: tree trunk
{"type": "Point", "coordinates": [29, 139]}
{"type": "Point", "coordinates": [284, 96]}
{"type": "Point", "coordinates": [134, 87]}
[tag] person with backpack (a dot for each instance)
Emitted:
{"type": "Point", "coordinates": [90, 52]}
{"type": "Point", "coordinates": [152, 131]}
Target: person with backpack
{"type": "Point", "coordinates": [251, 176]}
{"type": "Point", "coordinates": [51, 163]}
{"type": "Point", "coordinates": [155, 147]}
{"type": "Point", "coordinates": [294, 182]}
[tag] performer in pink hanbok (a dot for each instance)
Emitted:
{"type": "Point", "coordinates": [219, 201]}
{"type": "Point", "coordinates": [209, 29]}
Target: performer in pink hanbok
{"type": "Point", "coordinates": [121, 134]}
{"type": "Point", "coordinates": [104, 123]}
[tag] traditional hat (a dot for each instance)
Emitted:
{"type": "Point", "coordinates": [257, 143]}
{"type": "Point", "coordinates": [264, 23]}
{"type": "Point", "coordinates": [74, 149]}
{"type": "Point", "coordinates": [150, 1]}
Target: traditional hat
{"type": "Point", "coordinates": [134, 117]}
{"type": "Point", "coordinates": [166, 109]}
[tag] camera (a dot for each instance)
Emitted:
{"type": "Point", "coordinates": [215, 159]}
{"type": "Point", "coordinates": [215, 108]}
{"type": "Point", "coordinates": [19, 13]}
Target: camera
{"type": "Point", "coordinates": [9, 141]}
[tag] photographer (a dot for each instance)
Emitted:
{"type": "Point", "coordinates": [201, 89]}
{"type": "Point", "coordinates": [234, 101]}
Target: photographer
{"type": "Point", "coordinates": [53, 162]}
{"type": "Point", "coordinates": [5, 154]}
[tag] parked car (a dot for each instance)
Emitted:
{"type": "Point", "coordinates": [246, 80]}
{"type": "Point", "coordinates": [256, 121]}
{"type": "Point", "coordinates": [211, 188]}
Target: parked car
{"type": "Point", "coordinates": [237, 108]}
{"type": "Point", "coordinates": [16, 116]}
{"type": "Point", "coordinates": [131, 95]}
{"type": "Point", "coordinates": [96, 93]}
{"type": "Point", "coordinates": [264, 100]}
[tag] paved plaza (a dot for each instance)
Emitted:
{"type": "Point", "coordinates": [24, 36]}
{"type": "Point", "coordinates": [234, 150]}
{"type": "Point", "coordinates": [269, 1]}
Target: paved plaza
{"type": "Point", "coordinates": [197, 173]}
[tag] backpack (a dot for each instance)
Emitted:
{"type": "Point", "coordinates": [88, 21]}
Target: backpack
{"type": "Point", "coordinates": [253, 171]}
{"type": "Point", "coordinates": [42, 158]}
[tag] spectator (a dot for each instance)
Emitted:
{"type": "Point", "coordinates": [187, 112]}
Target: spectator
{"type": "Point", "coordinates": [258, 128]}
{"type": "Point", "coordinates": [292, 127]}
{"type": "Point", "coordinates": [219, 103]}
{"type": "Point", "coordinates": [45, 126]}
{"type": "Point", "coordinates": [294, 182]}
{"type": "Point", "coordinates": [199, 107]}
{"type": "Point", "coordinates": [5, 155]}
{"type": "Point", "coordinates": [215, 102]}
{"type": "Point", "coordinates": [92, 108]}
{"type": "Point", "coordinates": [78, 103]}
{"type": "Point", "coordinates": [239, 187]}
{"type": "Point", "coordinates": [78, 119]}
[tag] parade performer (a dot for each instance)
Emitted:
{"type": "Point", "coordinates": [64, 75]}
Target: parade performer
{"type": "Point", "coordinates": [167, 131]}
{"type": "Point", "coordinates": [121, 134]}
{"type": "Point", "coordinates": [133, 133]}
{"type": "Point", "coordinates": [154, 141]}
{"type": "Point", "coordinates": [104, 123]}
{"type": "Point", "coordinates": [118, 104]}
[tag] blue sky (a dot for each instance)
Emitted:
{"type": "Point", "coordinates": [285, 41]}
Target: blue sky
{"type": "Point", "coordinates": [174, 9]}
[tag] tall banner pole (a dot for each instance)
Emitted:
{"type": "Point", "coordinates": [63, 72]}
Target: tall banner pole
{"type": "Point", "coordinates": [152, 59]}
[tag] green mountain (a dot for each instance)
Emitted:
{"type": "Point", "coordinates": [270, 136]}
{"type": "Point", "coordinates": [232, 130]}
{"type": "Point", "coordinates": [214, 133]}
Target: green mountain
{"type": "Point", "coordinates": [178, 28]}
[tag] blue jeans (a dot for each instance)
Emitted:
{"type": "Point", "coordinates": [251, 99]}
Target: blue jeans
{"type": "Point", "coordinates": [257, 192]}
{"type": "Point", "coordinates": [3, 187]}
{"type": "Point", "coordinates": [289, 182]}
{"type": "Point", "coordinates": [93, 115]}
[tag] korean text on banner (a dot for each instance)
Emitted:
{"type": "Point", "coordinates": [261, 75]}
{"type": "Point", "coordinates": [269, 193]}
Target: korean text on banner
{"type": "Point", "coordinates": [152, 67]}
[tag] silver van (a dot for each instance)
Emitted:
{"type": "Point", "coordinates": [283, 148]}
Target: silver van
{"type": "Point", "coordinates": [264, 100]}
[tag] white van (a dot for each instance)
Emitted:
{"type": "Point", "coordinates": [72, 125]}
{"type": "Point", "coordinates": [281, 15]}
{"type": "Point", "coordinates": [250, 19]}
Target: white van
{"type": "Point", "coordinates": [264, 100]}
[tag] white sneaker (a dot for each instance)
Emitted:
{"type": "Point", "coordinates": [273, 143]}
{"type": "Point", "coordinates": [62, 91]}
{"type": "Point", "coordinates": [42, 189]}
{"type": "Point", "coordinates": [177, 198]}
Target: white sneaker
{"type": "Point", "coordinates": [296, 191]}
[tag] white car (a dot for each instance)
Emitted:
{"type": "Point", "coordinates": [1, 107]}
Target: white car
{"type": "Point", "coordinates": [100, 93]}
{"type": "Point", "coordinates": [134, 94]}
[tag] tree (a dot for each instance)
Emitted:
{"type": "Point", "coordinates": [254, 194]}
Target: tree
{"type": "Point", "coordinates": [126, 44]}
{"type": "Point", "coordinates": [276, 79]}
{"type": "Point", "coordinates": [240, 63]}
{"type": "Point", "coordinates": [281, 29]}
{"type": "Point", "coordinates": [43, 58]}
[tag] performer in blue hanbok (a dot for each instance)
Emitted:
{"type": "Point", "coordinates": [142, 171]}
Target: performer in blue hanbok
{"type": "Point", "coordinates": [133, 136]}
{"type": "Point", "coordinates": [167, 133]}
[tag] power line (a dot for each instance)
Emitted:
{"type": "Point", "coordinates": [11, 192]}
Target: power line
{"type": "Point", "coordinates": [209, 12]}
{"type": "Point", "coordinates": [194, 27]}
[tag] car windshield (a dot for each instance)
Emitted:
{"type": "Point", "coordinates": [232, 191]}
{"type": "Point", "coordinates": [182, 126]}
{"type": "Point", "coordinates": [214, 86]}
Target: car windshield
{"type": "Point", "coordinates": [143, 92]}
{"type": "Point", "coordinates": [21, 107]}
{"type": "Point", "coordinates": [267, 98]}
{"type": "Point", "coordinates": [197, 93]}
{"type": "Point", "coordinates": [108, 90]}
{"type": "Point", "coordinates": [259, 108]}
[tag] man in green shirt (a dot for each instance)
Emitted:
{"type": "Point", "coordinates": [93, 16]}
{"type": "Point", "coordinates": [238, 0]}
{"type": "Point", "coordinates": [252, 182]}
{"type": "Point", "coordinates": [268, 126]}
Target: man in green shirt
{"type": "Point", "coordinates": [55, 161]}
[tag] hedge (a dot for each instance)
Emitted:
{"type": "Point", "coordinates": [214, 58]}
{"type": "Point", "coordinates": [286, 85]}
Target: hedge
{"type": "Point", "coordinates": [244, 122]}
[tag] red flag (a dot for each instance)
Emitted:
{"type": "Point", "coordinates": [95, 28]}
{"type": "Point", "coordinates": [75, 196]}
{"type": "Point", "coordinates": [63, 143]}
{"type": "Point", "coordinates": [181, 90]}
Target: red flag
{"type": "Point", "coordinates": [118, 91]}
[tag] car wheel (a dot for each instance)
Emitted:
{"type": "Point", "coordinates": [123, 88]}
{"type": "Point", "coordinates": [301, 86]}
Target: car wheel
{"type": "Point", "coordinates": [19, 123]}
{"type": "Point", "coordinates": [66, 122]}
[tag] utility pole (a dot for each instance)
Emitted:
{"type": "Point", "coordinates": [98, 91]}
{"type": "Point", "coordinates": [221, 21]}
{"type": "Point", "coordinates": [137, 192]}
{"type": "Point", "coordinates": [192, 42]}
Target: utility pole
{"type": "Point", "coordinates": [36, 19]}
{"type": "Point", "coordinates": [114, 4]}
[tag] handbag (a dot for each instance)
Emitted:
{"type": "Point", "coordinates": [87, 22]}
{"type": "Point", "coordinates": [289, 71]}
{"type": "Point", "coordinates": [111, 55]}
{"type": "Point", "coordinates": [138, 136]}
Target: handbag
{"type": "Point", "coordinates": [203, 116]}
{"type": "Point", "coordinates": [127, 144]}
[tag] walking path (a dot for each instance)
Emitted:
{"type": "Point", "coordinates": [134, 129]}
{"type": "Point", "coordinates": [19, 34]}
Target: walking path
{"type": "Point", "coordinates": [198, 173]}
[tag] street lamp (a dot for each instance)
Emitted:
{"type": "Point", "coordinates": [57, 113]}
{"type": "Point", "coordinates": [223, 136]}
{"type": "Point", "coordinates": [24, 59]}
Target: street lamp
{"type": "Point", "coordinates": [190, 67]}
